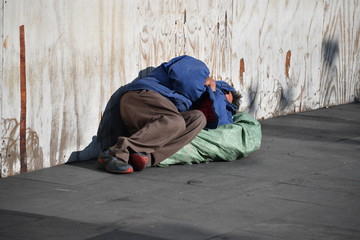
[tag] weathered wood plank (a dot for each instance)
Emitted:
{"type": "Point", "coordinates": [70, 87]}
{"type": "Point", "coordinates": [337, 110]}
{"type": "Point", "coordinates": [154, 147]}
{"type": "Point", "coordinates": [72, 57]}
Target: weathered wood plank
{"type": "Point", "coordinates": [284, 56]}
{"type": "Point", "coordinates": [157, 24]}
{"type": "Point", "coordinates": [275, 47]}
{"type": "Point", "coordinates": [339, 81]}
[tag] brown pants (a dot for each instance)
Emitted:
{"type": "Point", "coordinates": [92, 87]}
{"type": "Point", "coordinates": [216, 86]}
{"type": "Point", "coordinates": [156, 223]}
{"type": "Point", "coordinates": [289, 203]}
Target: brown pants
{"type": "Point", "coordinates": [155, 125]}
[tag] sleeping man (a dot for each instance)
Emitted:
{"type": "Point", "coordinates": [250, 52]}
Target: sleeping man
{"type": "Point", "coordinates": [153, 117]}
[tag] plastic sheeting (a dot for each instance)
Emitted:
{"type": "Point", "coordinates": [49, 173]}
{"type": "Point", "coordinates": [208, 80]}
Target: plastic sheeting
{"type": "Point", "coordinates": [226, 143]}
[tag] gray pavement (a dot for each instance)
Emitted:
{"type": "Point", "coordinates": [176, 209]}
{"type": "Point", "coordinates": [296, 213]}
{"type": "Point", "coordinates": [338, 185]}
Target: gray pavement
{"type": "Point", "coordinates": [304, 183]}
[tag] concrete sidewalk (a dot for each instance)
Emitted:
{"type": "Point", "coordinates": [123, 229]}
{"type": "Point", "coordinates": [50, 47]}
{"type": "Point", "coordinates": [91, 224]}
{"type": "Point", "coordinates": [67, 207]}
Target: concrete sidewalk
{"type": "Point", "coordinates": [304, 183]}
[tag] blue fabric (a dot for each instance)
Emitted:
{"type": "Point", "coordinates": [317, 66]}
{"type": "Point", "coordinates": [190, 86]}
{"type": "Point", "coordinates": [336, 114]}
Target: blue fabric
{"type": "Point", "coordinates": [182, 81]}
{"type": "Point", "coordinates": [222, 85]}
{"type": "Point", "coordinates": [221, 105]}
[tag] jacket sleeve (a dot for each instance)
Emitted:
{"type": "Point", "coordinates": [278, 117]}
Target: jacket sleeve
{"type": "Point", "coordinates": [223, 110]}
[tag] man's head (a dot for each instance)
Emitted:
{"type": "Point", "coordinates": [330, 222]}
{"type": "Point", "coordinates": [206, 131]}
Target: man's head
{"type": "Point", "coordinates": [230, 93]}
{"type": "Point", "coordinates": [236, 97]}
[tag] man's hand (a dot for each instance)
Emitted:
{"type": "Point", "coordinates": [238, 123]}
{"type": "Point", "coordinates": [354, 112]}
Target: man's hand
{"type": "Point", "coordinates": [211, 83]}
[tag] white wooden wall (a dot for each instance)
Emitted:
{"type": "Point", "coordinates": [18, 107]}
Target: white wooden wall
{"type": "Point", "coordinates": [284, 56]}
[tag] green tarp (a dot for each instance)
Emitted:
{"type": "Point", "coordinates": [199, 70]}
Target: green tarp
{"type": "Point", "coordinates": [226, 143]}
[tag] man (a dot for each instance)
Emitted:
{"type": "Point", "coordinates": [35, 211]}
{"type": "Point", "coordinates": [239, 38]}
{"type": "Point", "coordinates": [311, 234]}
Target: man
{"type": "Point", "coordinates": [162, 112]}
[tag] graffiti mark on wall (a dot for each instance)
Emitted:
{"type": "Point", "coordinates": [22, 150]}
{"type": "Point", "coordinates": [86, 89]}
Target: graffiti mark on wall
{"type": "Point", "coordinates": [11, 148]}
{"type": "Point", "coordinates": [11, 154]}
{"type": "Point", "coordinates": [34, 151]}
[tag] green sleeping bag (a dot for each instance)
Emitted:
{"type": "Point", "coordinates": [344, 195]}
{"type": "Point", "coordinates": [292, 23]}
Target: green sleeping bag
{"type": "Point", "coordinates": [226, 143]}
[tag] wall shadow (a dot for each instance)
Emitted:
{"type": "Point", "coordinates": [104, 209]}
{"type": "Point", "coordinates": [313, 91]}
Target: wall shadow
{"type": "Point", "coordinates": [330, 50]}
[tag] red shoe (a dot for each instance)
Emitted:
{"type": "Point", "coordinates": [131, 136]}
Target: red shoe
{"type": "Point", "coordinates": [138, 161]}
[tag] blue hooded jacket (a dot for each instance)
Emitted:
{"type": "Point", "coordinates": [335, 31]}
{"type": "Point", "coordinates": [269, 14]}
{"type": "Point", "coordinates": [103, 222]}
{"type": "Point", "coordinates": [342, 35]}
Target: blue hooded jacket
{"type": "Point", "coordinates": [181, 80]}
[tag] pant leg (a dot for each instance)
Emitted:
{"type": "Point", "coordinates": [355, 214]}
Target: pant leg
{"type": "Point", "coordinates": [195, 121]}
{"type": "Point", "coordinates": [153, 122]}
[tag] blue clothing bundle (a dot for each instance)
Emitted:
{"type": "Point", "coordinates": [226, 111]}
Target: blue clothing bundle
{"type": "Point", "coordinates": [181, 80]}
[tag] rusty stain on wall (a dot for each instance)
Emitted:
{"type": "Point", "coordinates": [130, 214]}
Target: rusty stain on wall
{"type": "Point", "coordinates": [287, 63]}
{"type": "Point", "coordinates": [23, 163]}
{"type": "Point", "coordinates": [242, 70]}
{"type": "Point", "coordinates": [5, 43]}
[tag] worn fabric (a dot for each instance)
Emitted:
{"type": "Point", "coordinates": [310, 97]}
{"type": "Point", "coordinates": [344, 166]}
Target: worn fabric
{"type": "Point", "coordinates": [155, 126]}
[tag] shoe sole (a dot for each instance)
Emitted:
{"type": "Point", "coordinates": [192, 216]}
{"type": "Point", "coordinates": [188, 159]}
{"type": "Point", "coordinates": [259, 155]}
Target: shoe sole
{"type": "Point", "coordinates": [100, 163]}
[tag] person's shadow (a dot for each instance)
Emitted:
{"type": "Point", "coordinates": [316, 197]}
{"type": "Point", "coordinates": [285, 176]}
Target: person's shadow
{"type": "Point", "coordinates": [109, 129]}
